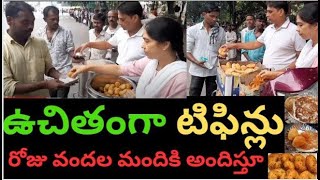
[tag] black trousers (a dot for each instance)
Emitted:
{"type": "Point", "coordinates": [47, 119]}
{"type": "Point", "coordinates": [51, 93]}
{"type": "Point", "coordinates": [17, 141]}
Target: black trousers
{"type": "Point", "coordinates": [60, 93]}
{"type": "Point", "coordinates": [197, 85]}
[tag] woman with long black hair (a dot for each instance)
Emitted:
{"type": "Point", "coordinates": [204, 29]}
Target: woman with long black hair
{"type": "Point", "coordinates": [163, 72]}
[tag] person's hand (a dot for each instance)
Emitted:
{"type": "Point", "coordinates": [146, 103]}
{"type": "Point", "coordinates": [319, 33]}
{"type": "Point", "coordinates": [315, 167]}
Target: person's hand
{"type": "Point", "coordinates": [201, 64]}
{"type": "Point", "coordinates": [77, 60]}
{"type": "Point", "coordinates": [269, 75]}
{"type": "Point", "coordinates": [81, 49]}
{"type": "Point", "coordinates": [229, 46]}
{"type": "Point", "coordinates": [54, 84]}
{"type": "Point", "coordinates": [77, 70]}
{"type": "Point", "coordinates": [65, 76]}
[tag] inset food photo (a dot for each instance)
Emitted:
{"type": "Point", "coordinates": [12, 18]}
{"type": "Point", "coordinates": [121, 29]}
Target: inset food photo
{"type": "Point", "coordinates": [292, 166]}
{"type": "Point", "coordinates": [301, 138]}
{"type": "Point", "coordinates": [302, 108]}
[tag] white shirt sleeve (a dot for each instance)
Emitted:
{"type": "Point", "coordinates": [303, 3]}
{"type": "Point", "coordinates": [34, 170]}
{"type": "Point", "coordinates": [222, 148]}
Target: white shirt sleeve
{"type": "Point", "coordinates": [114, 40]}
{"type": "Point", "coordinates": [261, 38]}
{"type": "Point", "coordinates": [190, 39]}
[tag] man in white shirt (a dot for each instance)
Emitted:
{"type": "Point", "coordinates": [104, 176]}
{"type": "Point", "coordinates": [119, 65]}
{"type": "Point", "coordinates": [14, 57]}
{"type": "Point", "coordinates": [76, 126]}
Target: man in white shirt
{"type": "Point", "coordinates": [203, 41]}
{"type": "Point", "coordinates": [97, 34]}
{"type": "Point", "coordinates": [111, 29]}
{"type": "Point", "coordinates": [249, 27]}
{"type": "Point", "coordinates": [282, 41]}
{"type": "Point", "coordinates": [128, 39]}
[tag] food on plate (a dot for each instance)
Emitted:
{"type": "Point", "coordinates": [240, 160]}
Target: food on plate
{"type": "Point", "coordinates": [299, 141]}
{"type": "Point", "coordinates": [311, 139]}
{"type": "Point", "coordinates": [311, 163]}
{"type": "Point", "coordinates": [303, 108]}
{"type": "Point", "coordinates": [292, 166]}
{"type": "Point", "coordinates": [293, 132]}
{"type": "Point", "coordinates": [306, 175]}
{"type": "Point", "coordinates": [288, 104]}
{"type": "Point", "coordinates": [306, 109]}
{"type": "Point", "coordinates": [303, 139]}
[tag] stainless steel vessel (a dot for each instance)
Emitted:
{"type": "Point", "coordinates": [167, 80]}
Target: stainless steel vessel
{"type": "Point", "coordinates": [99, 80]}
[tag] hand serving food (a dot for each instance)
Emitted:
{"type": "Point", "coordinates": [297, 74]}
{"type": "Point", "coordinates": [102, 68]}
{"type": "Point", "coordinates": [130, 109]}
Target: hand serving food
{"type": "Point", "coordinates": [223, 52]}
{"type": "Point", "coordinates": [76, 70]}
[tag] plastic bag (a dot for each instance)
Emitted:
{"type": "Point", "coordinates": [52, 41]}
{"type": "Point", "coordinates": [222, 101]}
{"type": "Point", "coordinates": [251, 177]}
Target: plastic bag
{"type": "Point", "coordinates": [292, 81]}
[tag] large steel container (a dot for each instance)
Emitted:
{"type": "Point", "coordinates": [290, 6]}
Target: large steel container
{"type": "Point", "coordinates": [84, 77]}
{"type": "Point", "coordinates": [99, 80]}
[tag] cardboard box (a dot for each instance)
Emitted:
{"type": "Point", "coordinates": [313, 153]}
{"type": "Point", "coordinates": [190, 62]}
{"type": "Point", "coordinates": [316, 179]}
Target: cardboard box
{"type": "Point", "coordinates": [229, 85]}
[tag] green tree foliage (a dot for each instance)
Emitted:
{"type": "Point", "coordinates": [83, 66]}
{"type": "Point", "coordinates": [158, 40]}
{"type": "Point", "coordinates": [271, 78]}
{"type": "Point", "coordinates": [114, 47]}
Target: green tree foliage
{"type": "Point", "coordinates": [234, 12]}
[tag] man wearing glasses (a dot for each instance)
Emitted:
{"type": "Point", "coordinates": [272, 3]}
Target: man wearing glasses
{"type": "Point", "coordinates": [203, 42]}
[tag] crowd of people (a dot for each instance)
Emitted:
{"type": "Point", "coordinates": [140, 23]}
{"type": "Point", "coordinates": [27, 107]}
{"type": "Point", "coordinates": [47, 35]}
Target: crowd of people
{"type": "Point", "coordinates": [151, 51]}
{"type": "Point", "coordinates": [146, 50]}
{"type": "Point", "coordinates": [280, 46]}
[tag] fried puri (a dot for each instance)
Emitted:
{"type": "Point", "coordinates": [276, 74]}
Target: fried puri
{"type": "Point", "coordinates": [299, 141]}
{"type": "Point", "coordinates": [293, 133]}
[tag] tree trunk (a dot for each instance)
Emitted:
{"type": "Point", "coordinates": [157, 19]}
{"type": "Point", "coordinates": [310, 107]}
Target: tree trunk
{"type": "Point", "coordinates": [181, 12]}
{"type": "Point", "coordinates": [170, 5]}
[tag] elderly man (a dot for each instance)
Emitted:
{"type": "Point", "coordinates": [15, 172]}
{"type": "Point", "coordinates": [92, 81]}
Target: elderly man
{"type": "Point", "coordinates": [111, 29]}
{"type": "Point", "coordinates": [26, 59]}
